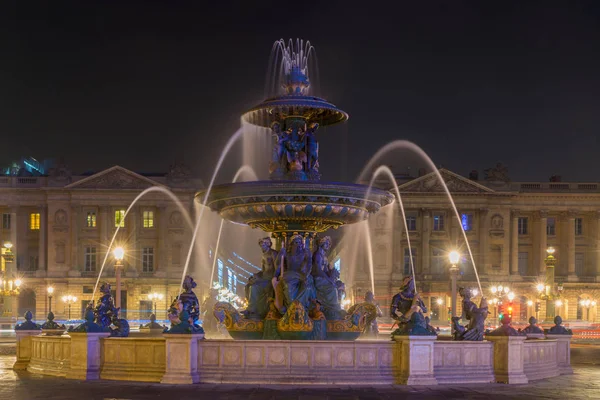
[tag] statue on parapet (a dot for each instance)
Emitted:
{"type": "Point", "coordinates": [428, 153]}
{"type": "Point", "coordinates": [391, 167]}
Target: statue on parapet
{"type": "Point", "coordinates": [475, 315]}
{"type": "Point", "coordinates": [372, 330]}
{"type": "Point", "coordinates": [532, 327]}
{"type": "Point", "coordinates": [185, 309]}
{"type": "Point", "coordinates": [408, 310]}
{"type": "Point", "coordinates": [558, 329]}
{"type": "Point", "coordinates": [325, 278]}
{"type": "Point", "coordinates": [259, 288]}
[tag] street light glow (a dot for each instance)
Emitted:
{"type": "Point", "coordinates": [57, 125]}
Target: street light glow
{"type": "Point", "coordinates": [550, 250]}
{"type": "Point", "coordinates": [511, 296]}
{"type": "Point", "coordinates": [50, 290]}
{"type": "Point", "coordinates": [494, 289]}
{"type": "Point", "coordinates": [475, 292]}
{"type": "Point", "coordinates": [440, 301]}
{"type": "Point", "coordinates": [540, 287]}
{"type": "Point", "coordinates": [18, 282]}
{"type": "Point", "coordinates": [558, 303]}
{"type": "Point", "coordinates": [119, 253]}
{"type": "Point", "coordinates": [529, 303]}
{"type": "Point", "coordinates": [454, 257]}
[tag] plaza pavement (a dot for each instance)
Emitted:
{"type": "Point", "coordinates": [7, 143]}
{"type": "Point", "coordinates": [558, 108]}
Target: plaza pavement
{"type": "Point", "coordinates": [583, 384]}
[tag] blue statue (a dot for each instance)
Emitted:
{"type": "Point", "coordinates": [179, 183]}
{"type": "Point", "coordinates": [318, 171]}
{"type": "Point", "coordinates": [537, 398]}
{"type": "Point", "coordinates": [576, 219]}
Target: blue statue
{"type": "Point", "coordinates": [325, 279]}
{"type": "Point", "coordinates": [372, 330]}
{"type": "Point", "coordinates": [89, 325]}
{"type": "Point", "coordinates": [185, 309]}
{"type": "Point", "coordinates": [475, 315]}
{"type": "Point", "coordinates": [259, 288]}
{"type": "Point", "coordinates": [107, 314]}
{"type": "Point", "coordinates": [28, 325]}
{"type": "Point", "coordinates": [50, 324]}
{"type": "Point", "coordinates": [532, 327]}
{"type": "Point", "coordinates": [293, 281]}
{"type": "Point", "coordinates": [558, 329]}
{"type": "Point", "coordinates": [407, 309]}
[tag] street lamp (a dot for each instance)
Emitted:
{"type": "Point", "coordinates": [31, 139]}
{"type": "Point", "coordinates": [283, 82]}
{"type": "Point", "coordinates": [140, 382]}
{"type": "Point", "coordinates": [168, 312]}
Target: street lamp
{"type": "Point", "coordinates": [454, 257]}
{"type": "Point", "coordinates": [155, 297]}
{"type": "Point", "coordinates": [69, 300]}
{"type": "Point", "coordinates": [587, 304]}
{"type": "Point", "coordinates": [50, 291]}
{"type": "Point", "coordinates": [8, 255]}
{"type": "Point", "coordinates": [119, 254]}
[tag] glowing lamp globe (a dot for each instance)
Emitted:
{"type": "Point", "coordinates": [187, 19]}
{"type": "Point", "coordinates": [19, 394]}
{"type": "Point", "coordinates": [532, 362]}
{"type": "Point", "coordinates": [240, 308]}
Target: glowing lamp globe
{"type": "Point", "coordinates": [119, 253]}
{"type": "Point", "coordinates": [454, 257]}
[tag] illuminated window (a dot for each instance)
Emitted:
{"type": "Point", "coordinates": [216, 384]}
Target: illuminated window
{"type": "Point", "coordinates": [90, 219]}
{"type": "Point", "coordinates": [90, 258]}
{"type": "Point", "coordinates": [148, 259]}
{"type": "Point", "coordinates": [438, 223]}
{"type": "Point", "coordinates": [148, 219]}
{"type": "Point", "coordinates": [34, 221]}
{"type": "Point", "coordinates": [119, 218]}
{"type": "Point", "coordinates": [466, 221]}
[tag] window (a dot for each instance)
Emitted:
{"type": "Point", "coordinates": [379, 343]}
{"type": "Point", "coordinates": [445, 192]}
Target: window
{"type": "Point", "coordinates": [522, 225]}
{"type": "Point", "coordinates": [90, 258]}
{"type": "Point", "coordinates": [148, 219]}
{"type": "Point", "coordinates": [579, 264]}
{"type": "Point", "coordinates": [148, 259]}
{"type": "Point", "coordinates": [90, 219]}
{"type": "Point", "coordinates": [119, 218]}
{"type": "Point", "coordinates": [33, 263]}
{"type": "Point", "coordinates": [466, 221]}
{"type": "Point", "coordinates": [145, 309]}
{"type": "Point", "coordinates": [5, 221]}
{"type": "Point", "coordinates": [578, 226]}
{"type": "Point", "coordinates": [523, 263]}
{"type": "Point", "coordinates": [407, 267]}
{"type": "Point", "coordinates": [438, 223]}
{"type": "Point", "coordinates": [220, 271]}
{"type": "Point", "coordinates": [34, 221]}
{"type": "Point", "coordinates": [437, 261]}
{"type": "Point", "coordinates": [551, 227]}
{"type": "Point", "coordinates": [411, 222]}
{"type": "Point", "coordinates": [88, 289]}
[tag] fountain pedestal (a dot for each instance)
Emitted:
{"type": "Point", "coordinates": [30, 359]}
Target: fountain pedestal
{"type": "Point", "coordinates": [86, 351]}
{"type": "Point", "coordinates": [181, 358]}
{"type": "Point", "coordinates": [563, 353]}
{"type": "Point", "coordinates": [508, 358]}
{"type": "Point", "coordinates": [415, 356]}
{"type": "Point", "coordinates": [24, 348]}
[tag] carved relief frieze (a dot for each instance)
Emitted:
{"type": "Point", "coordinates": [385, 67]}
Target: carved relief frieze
{"type": "Point", "coordinates": [60, 221]}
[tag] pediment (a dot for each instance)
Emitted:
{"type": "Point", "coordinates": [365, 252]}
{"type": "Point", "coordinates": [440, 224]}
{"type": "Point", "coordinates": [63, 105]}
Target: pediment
{"type": "Point", "coordinates": [456, 184]}
{"type": "Point", "coordinates": [114, 178]}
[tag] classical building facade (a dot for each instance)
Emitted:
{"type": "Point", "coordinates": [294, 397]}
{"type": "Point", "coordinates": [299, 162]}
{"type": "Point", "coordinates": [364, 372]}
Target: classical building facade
{"type": "Point", "coordinates": [61, 225]}
{"type": "Point", "coordinates": [509, 226]}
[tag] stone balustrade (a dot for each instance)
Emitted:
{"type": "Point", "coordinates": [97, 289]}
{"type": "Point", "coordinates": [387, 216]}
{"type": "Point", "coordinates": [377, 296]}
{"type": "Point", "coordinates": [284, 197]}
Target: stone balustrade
{"type": "Point", "coordinates": [178, 359]}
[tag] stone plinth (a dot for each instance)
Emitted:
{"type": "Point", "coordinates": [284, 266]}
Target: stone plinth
{"type": "Point", "coordinates": [50, 355]}
{"type": "Point", "coordinates": [181, 358]}
{"type": "Point", "coordinates": [463, 362]}
{"type": "Point", "coordinates": [85, 355]}
{"type": "Point", "coordinates": [539, 359]}
{"type": "Point", "coordinates": [415, 354]}
{"type": "Point", "coordinates": [24, 348]}
{"type": "Point", "coordinates": [563, 353]}
{"type": "Point", "coordinates": [536, 336]}
{"type": "Point", "coordinates": [508, 358]}
{"type": "Point", "coordinates": [133, 359]}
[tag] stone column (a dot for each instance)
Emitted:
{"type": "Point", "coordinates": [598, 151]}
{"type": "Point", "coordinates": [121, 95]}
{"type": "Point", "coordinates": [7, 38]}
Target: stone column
{"type": "Point", "coordinates": [454, 230]}
{"type": "Point", "coordinates": [24, 347]}
{"type": "Point", "coordinates": [508, 358]}
{"type": "Point", "coordinates": [415, 356]}
{"type": "Point", "coordinates": [162, 238]}
{"type": "Point", "coordinates": [543, 241]}
{"type": "Point", "coordinates": [105, 226]}
{"type": "Point", "coordinates": [181, 364]}
{"type": "Point", "coordinates": [132, 244]}
{"type": "Point", "coordinates": [563, 353]}
{"type": "Point", "coordinates": [483, 241]}
{"type": "Point", "coordinates": [14, 239]}
{"type": "Point", "coordinates": [42, 238]}
{"type": "Point", "coordinates": [571, 245]}
{"type": "Point", "coordinates": [75, 216]}
{"type": "Point", "coordinates": [597, 269]}
{"type": "Point", "coordinates": [514, 243]}
{"type": "Point", "coordinates": [86, 355]}
{"type": "Point", "coordinates": [426, 230]}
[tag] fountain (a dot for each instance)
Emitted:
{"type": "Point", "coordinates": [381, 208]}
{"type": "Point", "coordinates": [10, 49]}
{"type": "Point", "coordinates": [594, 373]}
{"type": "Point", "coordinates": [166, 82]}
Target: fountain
{"type": "Point", "coordinates": [294, 206]}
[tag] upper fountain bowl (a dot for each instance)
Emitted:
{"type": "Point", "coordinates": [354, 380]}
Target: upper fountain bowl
{"type": "Point", "coordinates": [311, 109]}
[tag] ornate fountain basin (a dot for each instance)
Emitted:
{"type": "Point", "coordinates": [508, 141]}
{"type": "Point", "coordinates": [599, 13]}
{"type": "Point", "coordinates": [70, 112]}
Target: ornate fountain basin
{"type": "Point", "coordinates": [295, 206]}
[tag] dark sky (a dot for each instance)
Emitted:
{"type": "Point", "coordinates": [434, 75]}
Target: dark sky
{"type": "Point", "coordinates": [142, 84]}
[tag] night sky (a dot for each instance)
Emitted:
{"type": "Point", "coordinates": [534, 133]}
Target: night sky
{"type": "Point", "coordinates": [143, 84]}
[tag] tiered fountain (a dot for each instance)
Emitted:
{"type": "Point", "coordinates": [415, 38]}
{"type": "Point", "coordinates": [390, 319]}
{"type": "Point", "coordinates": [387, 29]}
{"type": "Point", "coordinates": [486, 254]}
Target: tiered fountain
{"type": "Point", "coordinates": [294, 207]}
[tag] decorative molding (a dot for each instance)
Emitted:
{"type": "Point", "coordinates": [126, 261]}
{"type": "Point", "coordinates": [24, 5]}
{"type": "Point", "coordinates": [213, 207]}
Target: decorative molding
{"type": "Point", "coordinates": [454, 182]}
{"type": "Point", "coordinates": [60, 221]}
{"type": "Point", "coordinates": [114, 178]}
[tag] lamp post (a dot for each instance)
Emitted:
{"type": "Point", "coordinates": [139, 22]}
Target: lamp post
{"type": "Point", "coordinates": [119, 254]}
{"type": "Point", "coordinates": [547, 290]}
{"type": "Point", "coordinates": [155, 297]}
{"type": "Point", "coordinates": [454, 257]}
{"type": "Point", "coordinates": [501, 293]}
{"type": "Point", "coordinates": [69, 300]}
{"type": "Point", "coordinates": [587, 304]}
{"type": "Point", "coordinates": [50, 291]}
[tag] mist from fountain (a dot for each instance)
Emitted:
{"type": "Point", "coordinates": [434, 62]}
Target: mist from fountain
{"type": "Point", "coordinates": [405, 144]}
{"type": "Point", "coordinates": [256, 149]}
{"type": "Point", "coordinates": [244, 169]}
{"type": "Point", "coordinates": [224, 153]}
{"type": "Point", "coordinates": [161, 189]}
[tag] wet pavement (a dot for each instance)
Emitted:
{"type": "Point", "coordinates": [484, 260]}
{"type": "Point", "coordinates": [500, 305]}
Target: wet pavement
{"type": "Point", "coordinates": [583, 384]}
